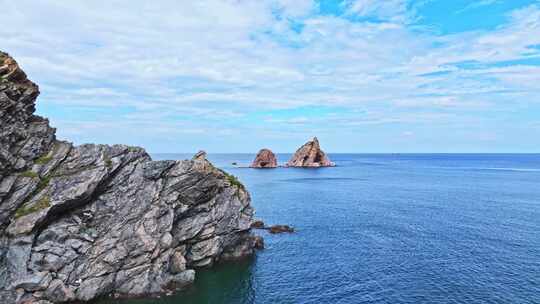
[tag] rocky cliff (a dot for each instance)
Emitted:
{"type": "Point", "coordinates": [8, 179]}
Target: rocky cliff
{"type": "Point", "coordinates": [265, 159]}
{"type": "Point", "coordinates": [80, 222]}
{"type": "Point", "coordinates": [310, 155]}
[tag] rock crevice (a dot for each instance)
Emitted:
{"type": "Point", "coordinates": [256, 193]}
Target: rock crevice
{"type": "Point", "coordinates": [81, 222]}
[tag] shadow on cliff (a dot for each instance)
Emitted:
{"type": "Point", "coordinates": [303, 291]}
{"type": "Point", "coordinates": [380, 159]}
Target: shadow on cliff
{"type": "Point", "coordinates": [230, 282]}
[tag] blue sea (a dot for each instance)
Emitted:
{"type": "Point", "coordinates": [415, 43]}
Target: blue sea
{"type": "Point", "coordinates": [386, 228]}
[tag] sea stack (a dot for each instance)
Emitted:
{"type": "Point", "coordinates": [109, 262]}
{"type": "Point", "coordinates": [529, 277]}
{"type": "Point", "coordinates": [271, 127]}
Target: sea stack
{"type": "Point", "coordinates": [78, 223]}
{"type": "Point", "coordinates": [265, 159]}
{"type": "Point", "coordinates": [310, 155]}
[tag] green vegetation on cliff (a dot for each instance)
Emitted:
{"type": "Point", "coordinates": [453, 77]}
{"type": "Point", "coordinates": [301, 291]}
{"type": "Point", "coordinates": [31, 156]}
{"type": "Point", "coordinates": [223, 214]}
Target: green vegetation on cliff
{"type": "Point", "coordinates": [41, 204]}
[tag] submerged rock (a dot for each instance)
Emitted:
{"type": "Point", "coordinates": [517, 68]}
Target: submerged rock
{"type": "Point", "coordinates": [310, 155]}
{"type": "Point", "coordinates": [81, 222]}
{"type": "Point", "coordinates": [265, 159]}
{"type": "Point", "coordinates": [272, 229]}
{"type": "Point", "coordinates": [280, 229]}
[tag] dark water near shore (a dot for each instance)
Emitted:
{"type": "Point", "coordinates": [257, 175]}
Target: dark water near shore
{"type": "Point", "coordinates": [427, 228]}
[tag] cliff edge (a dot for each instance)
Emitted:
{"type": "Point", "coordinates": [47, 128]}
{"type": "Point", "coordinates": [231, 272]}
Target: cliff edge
{"type": "Point", "coordinates": [80, 222]}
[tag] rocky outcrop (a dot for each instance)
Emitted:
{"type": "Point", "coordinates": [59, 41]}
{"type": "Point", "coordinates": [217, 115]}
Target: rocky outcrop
{"type": "Point", "coordinates": [280, 229]}
{"type": "Point", "coordinates": [274, 229]}
{"type": "Point", "coordinates": [201, 155]}
{"type": "Point", "coordinates": [310, 155]}
{"type": "Point", "coordinates": [80, 222]}
{"type": "Point", "coordinates": [265, 159]}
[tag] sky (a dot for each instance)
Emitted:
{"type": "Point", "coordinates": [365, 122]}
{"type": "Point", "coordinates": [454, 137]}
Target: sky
{"type": "Point", "coordinates": [231, 76]}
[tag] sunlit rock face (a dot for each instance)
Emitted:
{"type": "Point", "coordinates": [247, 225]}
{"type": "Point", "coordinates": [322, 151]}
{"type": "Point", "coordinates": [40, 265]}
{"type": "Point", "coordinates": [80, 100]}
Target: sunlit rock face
{"type": "Point", "coordinates": [310, 155]}
{"type": "Point", "coordinates": [80, 222]}
{"type": "Point", "coordinates": [265, 159]}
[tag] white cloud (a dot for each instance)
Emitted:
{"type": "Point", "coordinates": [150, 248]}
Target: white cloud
{"type": "Point", "coordinates": [296, 8]}
{"type": "Point", "coordinates": [478, 4]}
{"type": "Point", "coordinates": [393, 10]}
{"type": "Point", "coordinates": [211, 59]}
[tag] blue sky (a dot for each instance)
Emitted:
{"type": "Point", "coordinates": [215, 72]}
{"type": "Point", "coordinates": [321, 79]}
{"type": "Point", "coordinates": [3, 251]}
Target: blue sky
{"type": "Point", "coordinates": [237, 76]}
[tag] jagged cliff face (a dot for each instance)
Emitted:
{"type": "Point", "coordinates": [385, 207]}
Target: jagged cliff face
{"type": "Point", "coordinates": [81, 222]}
{"type": "Point", "coordinates": [310, 155]}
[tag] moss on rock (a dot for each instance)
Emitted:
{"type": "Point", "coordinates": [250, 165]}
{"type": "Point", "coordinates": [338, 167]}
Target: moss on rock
{"type": "Point", "coordinates": [29, 173]}
{"type": "Point", "coordinates": [41, 204]}
{"type": "Point", "coordinates": [43, 160]}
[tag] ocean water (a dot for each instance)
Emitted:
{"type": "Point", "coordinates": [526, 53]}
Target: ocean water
{"type": "Point", "coordinates": [395, 228]}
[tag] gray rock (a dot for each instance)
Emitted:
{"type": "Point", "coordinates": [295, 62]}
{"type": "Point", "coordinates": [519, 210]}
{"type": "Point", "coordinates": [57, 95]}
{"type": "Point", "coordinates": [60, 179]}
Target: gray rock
{"type": "Point", "coordinates": [182, 279]}
{"type": "Point", "coordinates": [58, 292]}
{"type": "Point", "coordinates": [201, 155]}
{"type": "Point", "coordinates": [178, 262]}
{"type": "Point", "coordinates": [33, 281]}
{"type": "Point", "coordinates": [81, 222]}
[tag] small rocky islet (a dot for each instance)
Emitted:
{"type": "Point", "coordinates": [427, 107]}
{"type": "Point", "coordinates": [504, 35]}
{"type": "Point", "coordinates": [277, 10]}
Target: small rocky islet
{"type": "Point", "coordinates": [265, 159]}
{"type": "Point", "coordinates": [82, 222]}
{"type": "Point", "coordinates": [309, 155]}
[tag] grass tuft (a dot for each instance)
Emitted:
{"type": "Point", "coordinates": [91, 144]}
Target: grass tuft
{"type": "Point", "coordinates": [43, 160]}
{"type": "Point", "coordinates": [108, 162]}
{"type": "Point", "coordinates": [44, 182]}
{"type": "Point", "coordinates": [234, 181]}
{"type": "Point", "coordinates": [43, 203]}
{"type": "Point", "coordinates": [30, 174]}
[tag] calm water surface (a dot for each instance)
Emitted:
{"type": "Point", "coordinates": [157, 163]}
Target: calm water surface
{"type": "Point", "coordinates": [386, 229]}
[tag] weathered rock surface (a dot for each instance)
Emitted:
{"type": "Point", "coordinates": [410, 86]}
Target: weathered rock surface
{"type": "Point", "coordinates": [80, 222]}
{"type": "Point", "coordinates": [310, 155]}
{"type": "Point", "coordinates": [265, 159]}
